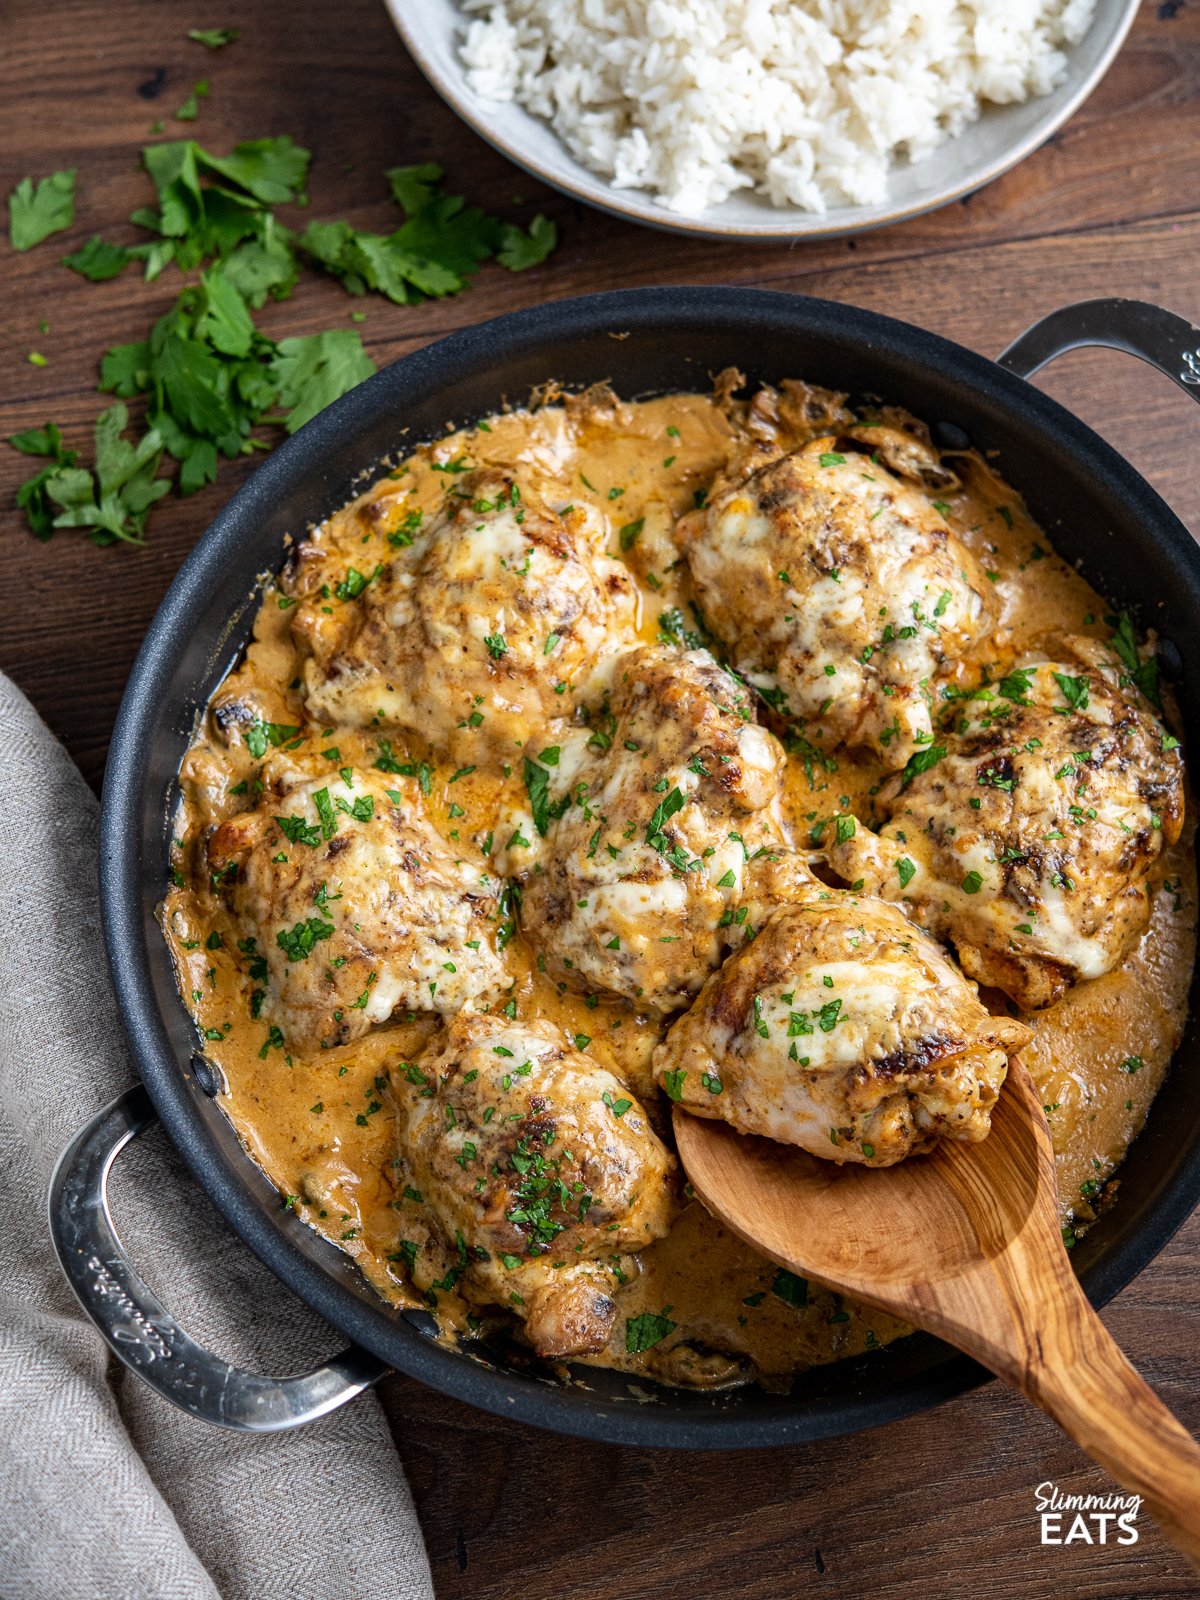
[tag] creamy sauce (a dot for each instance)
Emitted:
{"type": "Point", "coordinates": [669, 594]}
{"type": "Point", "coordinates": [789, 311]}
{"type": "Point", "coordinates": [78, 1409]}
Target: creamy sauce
{"type": "Point", "coordinates": [323, 1127]}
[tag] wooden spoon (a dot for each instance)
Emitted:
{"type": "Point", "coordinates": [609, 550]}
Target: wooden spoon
{"type": "Point", "coordinates": [966, 1244]}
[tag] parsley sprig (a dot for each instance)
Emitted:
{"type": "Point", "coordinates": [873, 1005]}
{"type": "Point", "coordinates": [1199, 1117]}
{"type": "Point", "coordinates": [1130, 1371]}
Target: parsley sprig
{"type": "Point", "coordinates": [112, 500]}
{"type": "Point", "coordinates": [210, 378]}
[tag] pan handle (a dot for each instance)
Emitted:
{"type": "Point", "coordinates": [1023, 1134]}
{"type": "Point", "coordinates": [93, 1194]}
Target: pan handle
{"type": "Point", "coordinates": [134, 1323]}
{"type": "Point", "coordinates": [1165, 340]}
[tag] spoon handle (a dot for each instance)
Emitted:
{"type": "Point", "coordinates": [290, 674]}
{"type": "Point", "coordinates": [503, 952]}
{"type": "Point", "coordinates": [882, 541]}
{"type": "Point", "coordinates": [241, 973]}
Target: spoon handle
{"type": "Point", "coordinates": [1078, 1374]}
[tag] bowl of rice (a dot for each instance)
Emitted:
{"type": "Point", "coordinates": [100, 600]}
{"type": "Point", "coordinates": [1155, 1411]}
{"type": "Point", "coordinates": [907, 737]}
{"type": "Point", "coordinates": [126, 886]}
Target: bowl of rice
{"type": "Point", "coordinates": [765, 119]}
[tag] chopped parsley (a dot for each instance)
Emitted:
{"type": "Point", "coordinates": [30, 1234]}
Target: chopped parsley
{"type": "Point", "coordinates": [298, 942]}
{"type": "Point", "coordinates": [922, 761]}
{"type": "Point", "coordinates": [789, 1288]}
{"type": "Point", "coordinates": [537, 786]}
{"type": "Point", "coordinates": [645, 1331]}
{"type": "Point", "coordinates": [1016, 685]}
{"type": "Point", "coordinates": [671, 803]}
{"type": "Point", "coordinates": [263, 735]}
{"type": "Point", "coordinates": [297, 831]}
{"type": "Point", "coordinates": [673, 1083]}
{"type": "Point", "coordinates": [1144, 674]}
{"type": "Point", "coordinates": [1075, 690]}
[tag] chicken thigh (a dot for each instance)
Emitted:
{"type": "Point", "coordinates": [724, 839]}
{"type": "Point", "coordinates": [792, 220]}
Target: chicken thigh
{"type": "Point", "coordinates": [843, 1029]}
{"type": "Point", "coordinates": [837, 587]}
{"type": "Point", "coordinates": [536, 1175]}
{"type": "Point", "coordinates": [475, 633]}
{"type": "Point", "coordinates": [1025, 834]}
{"type": "Point", "coordinates": [353, 908]}
{"type": "Point", "coordinates": [650, 823]}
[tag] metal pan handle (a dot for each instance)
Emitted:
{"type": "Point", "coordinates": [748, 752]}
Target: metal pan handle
{"type": "Point", "coordinates": [137, 1327]}
{"type": "Point", "coordinates": [1165, 340]}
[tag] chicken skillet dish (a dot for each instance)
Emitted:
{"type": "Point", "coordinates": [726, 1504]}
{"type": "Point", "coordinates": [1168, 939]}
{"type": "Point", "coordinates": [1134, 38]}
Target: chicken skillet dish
{"type": "Point", "coordinates": [742, 751]}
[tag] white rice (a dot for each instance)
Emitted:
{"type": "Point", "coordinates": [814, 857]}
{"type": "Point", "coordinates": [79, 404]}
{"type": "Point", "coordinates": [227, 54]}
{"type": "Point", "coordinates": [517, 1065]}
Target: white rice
{"type": "Point", "coordinates": [808, 102]}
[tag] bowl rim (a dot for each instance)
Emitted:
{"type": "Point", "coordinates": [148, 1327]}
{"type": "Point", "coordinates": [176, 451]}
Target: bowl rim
{"type": "Point", "coordinates": [627, 204]}
{"type": "Point", "coordinates": [228, 1180]}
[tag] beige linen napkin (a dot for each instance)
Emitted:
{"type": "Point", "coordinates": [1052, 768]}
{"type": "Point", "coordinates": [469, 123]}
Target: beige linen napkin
{"type": "Point", "coordinates": [106, 1491]}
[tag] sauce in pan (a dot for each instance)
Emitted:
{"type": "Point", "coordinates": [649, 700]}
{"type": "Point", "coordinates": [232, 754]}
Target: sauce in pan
{"type": "Point", "coordinates": [322, 1123]}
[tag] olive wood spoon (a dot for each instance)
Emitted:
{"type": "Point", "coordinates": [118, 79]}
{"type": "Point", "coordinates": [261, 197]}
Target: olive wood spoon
{"type": "Point", "coordinates": [966, 1244]}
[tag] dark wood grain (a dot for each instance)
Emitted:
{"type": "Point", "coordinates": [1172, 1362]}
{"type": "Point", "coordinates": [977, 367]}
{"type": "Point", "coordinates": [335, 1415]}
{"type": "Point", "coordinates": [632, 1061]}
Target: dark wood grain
{"type": "Point", "coordinates": [942, 1505]}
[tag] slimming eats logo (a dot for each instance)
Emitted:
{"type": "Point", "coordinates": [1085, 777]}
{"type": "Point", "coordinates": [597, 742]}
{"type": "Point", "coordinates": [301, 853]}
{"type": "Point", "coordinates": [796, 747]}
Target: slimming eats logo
{"type": "Point", "coordinates": [1086, 1518]}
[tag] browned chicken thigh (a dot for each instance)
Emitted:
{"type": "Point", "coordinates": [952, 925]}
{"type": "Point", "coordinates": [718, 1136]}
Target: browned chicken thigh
{"type": "Point", "coordinates": [651, 821]}
{"type": "Point", "coordinates": [355, 907]}
{"type": "Point", "coordinates": [477, 631]}
{"type": "Point", "coordinates": [1025, 834]}
{"type": "Point", "coordinates": [835, 584]}
{"type": "Point", "coordinates": [843, 1029]}
{"type": "Point", "coordinates": [537, 1175]}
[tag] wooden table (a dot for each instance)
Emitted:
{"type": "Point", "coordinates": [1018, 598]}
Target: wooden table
{"type": "Point", "coordinates": [938, 1506]}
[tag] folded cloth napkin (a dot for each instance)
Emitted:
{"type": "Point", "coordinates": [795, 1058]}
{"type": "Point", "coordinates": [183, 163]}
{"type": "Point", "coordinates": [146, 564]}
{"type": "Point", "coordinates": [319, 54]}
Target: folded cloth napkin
{"type": "Point", "coordinates": [106, 1490]}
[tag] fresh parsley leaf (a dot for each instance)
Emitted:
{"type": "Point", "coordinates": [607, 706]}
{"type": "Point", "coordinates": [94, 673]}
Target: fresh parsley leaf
{"type": "Point", "coordinates": [1143, 673]}
{"type": "Point", "coordinates": [434, 252]}
{"type": "Point", "coordinates": [97, 260]}
{"type": "Point", "coordinates": [921, 761]}
{"type": "Point", "coordinates": [373, 261]}
{"type": "Point", "coordinates": [1016, 685]}
{"type": "Point", "coordinates": [45, 441]}
{"type": "Point", "coordinates": [297, 943]}
{"type": "Point", "coordinates": [906, 871]}
{"type": "Point", "coordinates": [213, 38]}
{"type": "Point", "coordinates": [450, 235]}
{"type": "Point", "coordinates": [673, 1083]}
{"type": "Point", "coordinates": [1075, 690]}
{"type": "Point", "coordinates": [537, 784]}
{"type": "Point", "coordinates": [263, 735]}
{"type": "Point", "coordinates": [225, 322]}
{"type": "Point", "coordinates": [666, 808]}
{"type": "Point", "coordinates": [34, 213]}
{"type": "Point", "coordinates": [31, 495]}
{"type": "Point", "coordinates": [315, 371]}
{"type": "Point", "coordinates": [112, 502]}
{"type": "Point", "coordinates": [297, 831]}
{"type": "Point", "coordinates": [353, 584]}
{"type": "Point", "coordinates": [829, 1015]}
{"type": "Point", "coordinates": [519, 250]}
{"type": "Point", "coordinates": [673, 629]}
{"type": "Point", "coordinates": [274, 171]}
{"type": "Point", "coordinates": [789, 1288]}
{"type": "Point", "coordinates": [125, 369]}
{"type": "Point", "coordinates": [362, 810]}
{"type": "Point", "coordinates": [263, 264]}
{"type": "Point", "coordinates": [645, 1331]}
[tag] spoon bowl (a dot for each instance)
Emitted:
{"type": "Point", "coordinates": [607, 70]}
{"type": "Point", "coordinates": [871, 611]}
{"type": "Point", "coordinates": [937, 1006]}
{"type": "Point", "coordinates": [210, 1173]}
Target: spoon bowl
{"type": "Point", "coordinates": [965, 1243]}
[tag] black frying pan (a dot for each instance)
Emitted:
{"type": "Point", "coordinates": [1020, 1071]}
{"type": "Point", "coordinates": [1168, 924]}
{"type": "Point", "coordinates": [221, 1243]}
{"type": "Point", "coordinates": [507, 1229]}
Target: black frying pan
{"type": "Point", "coordinates": [1092, 504]}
